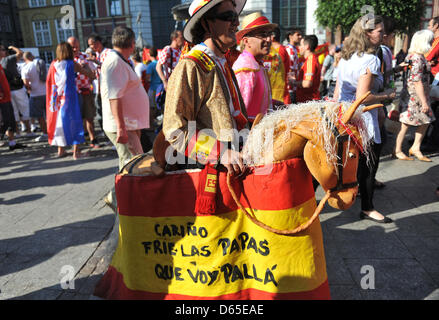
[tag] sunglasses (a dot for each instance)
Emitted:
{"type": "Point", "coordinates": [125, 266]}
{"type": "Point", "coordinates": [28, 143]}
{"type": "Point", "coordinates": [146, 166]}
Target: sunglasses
{"type": "Point", "coordinates": [230, 16]}
{"type": "Point", "coordinates": [260, 35]}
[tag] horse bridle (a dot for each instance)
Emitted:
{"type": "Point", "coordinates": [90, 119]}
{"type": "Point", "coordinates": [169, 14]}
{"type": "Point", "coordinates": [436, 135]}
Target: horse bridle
{"type": "Point", "coordinates": [340, 141]}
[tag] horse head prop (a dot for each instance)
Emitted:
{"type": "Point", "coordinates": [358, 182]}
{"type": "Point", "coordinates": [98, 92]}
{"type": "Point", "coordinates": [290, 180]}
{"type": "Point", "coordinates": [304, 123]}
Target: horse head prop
{"type": "Point", "coordinates": [329, 136]}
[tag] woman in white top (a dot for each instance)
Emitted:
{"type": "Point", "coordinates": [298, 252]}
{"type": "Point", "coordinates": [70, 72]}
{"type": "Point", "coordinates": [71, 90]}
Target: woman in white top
{"type": "Point", "coordinates": [358, 73]}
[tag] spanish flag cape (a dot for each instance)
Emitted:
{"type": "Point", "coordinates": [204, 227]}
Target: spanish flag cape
{"type": "Point", "coordinates": [166, 251]}
{"type": "Point", "coordinates": [63, 113]}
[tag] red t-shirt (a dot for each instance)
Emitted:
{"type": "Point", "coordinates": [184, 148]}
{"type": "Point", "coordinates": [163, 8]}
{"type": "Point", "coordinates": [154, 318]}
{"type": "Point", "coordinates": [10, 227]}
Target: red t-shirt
{"type": "Point", "coordinates": [310, 71]}
{"type": "Point", "coordinates": [433, 55]}
{"type": "Point", "coordinates": [4, 87]}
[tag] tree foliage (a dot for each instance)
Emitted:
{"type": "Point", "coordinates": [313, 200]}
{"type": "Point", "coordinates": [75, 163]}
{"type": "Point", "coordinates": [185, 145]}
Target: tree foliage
{"type": "Point", "coordinates": [407, 13]}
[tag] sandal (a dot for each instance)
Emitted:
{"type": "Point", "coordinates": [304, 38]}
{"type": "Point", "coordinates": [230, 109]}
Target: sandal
{"type": "Point", "coordinates": [419, 155]}
{"type": "Point", "coordinates": [402, 156]}
{"type": "Point", "coordinates": [95, 144]}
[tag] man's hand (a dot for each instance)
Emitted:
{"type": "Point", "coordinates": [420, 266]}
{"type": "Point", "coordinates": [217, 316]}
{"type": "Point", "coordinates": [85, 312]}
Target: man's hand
{"type": "Point", "coordinates": [233, 161]}
{"type": "Point", "coordinates": [391, 93]}
{"type": "Point", "coordinates": [122, 136]}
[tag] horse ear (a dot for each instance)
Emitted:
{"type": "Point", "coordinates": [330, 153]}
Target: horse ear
{"type": "Point", "coordinates": [258, 118]}
{"type": "Point", "coordinates": [350, 112]}
{"type": "Point", "coordinates": [368, 108]}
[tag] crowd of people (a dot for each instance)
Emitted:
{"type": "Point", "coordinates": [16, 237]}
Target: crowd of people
{"type": "Point", "coordinates": [222, 78]}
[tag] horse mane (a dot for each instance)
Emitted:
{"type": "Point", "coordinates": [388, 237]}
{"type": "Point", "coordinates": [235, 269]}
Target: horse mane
{"type": "Point", "coordinates": [261, 137]}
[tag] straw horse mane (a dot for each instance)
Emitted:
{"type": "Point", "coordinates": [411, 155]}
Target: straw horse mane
{"type": "Point", "coordinates": [263, 134]}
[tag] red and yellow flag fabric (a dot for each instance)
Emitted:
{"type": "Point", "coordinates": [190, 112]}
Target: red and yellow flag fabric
{"type": "Point", "coordinates": [166, 251]}
{"type": "Point", "coordinates": [322, 51]}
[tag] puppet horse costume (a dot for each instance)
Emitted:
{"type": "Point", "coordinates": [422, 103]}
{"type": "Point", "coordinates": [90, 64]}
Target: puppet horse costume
{"type": "Point", "coordinates": [264, 240]}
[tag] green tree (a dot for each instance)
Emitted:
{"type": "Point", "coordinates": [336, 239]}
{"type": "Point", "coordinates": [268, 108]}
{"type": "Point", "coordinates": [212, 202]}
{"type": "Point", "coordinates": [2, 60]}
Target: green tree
{"type": "Point", "coordinates": [344, 13]}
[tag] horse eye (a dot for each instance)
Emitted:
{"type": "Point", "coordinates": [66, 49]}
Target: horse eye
{"type": "Point", "coordinates": [351, 155]}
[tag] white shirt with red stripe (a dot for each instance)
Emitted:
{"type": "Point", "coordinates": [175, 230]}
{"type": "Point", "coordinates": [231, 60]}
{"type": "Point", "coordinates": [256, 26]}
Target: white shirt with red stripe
{"type": "Point", "coordinates": [164, 58]}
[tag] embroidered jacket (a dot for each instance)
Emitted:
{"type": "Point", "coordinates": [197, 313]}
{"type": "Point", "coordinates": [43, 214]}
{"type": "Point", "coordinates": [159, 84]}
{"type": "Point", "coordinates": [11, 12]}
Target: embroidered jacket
{"type": "Point", "coordinates": [198, 91]}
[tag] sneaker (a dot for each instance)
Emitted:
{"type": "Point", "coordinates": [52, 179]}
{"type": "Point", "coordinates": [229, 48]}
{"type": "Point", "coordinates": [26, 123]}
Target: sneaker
{"type": "Point", "coordinates": [17, 146]}
{"type": "Point", "coordinates": [43, 137]}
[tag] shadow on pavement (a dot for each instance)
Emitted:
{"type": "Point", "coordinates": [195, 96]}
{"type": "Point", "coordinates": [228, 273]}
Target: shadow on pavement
{"type": "Point", "coordinates": [28, 251]}
{"type": "Point", "coordinates": [28, 162]}
{"type": "Point", "coordinates": [22, 199]}
{"type": "Point", "coordinates": [49, 180]}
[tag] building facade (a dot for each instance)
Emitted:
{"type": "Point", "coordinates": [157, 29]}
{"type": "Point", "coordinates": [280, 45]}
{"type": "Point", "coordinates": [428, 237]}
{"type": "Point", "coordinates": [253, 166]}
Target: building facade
{"type": "Point", "coordinates": [289, 14]}
{"type": "Point", "coordinates": [151, 20]}
{"type": "Point", "coordinates": [10, 31]}
{"type": "Point", "coordinates": [101, 17]}
{"type": "Point", "coordinates": [40, 22]}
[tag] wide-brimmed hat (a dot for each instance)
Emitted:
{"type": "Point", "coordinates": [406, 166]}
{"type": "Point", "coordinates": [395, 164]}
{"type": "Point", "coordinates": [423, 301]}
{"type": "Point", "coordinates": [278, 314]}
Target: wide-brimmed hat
{"type": "Point", "coordinates": [252, 22]}
{"type": "Point", "coordinates": [198, 8]}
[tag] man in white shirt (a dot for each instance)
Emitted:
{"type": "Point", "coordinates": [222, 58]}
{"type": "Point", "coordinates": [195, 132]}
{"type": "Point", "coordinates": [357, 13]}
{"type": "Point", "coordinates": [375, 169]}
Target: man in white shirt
{"type": "Point", "coordinates": [125, 103]}
{"type": "Point", "coordinates": [34, 80]}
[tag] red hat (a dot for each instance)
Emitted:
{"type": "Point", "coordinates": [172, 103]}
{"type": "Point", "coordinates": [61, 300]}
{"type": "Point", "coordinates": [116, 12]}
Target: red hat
{"type": "Point", "coordinates": [254, 21]}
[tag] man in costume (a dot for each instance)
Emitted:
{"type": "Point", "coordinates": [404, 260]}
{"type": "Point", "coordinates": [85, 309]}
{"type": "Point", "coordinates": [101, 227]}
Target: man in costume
{"type": "Point", "coordinates": [255, 39]}
{"type": "Point", "coordinates": [203, 88]}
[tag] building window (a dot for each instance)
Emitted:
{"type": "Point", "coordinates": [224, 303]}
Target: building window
{"type": "Point", "coordinates": [47, 56]}
{"type": "Point", "coordinates": [115, 7]}
{"type": "Point", "coordinates": [5, 23]}
{"type": "Point", "coordinates": [37, 3]}
{"type": "Point", "coordinates": [62, 34]}
{"type": "Point", "coordinates": [42, 33]}
{"type": "Point", "coordinates": [90, 8]}
{"type": "Point", "coordinates": [59, 2]}
{"type": "Point", "coordinates": [293, 13]}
